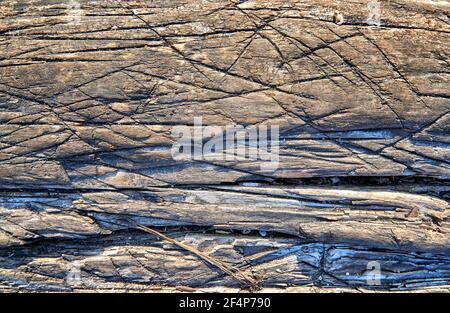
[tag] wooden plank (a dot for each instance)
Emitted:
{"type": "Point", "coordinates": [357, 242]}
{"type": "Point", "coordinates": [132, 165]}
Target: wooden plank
{"type": "Point", "coordinates": [133, 261]}
{"type": "Point", "coordinates": [349, 99]}
{"type": "Point", "coordinates": [374, 217]}
{"type": "Point", "coordinates": [90, 93]}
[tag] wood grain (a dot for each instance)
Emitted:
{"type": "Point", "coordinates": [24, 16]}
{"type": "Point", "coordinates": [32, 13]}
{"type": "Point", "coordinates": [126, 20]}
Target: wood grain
{"type": "Point", "coordinates": [90, 92]}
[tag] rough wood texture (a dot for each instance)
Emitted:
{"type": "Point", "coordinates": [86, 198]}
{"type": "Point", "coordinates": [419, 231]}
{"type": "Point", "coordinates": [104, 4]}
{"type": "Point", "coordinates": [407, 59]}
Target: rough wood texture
{"type": "Point", "coordinates": [90, 92]}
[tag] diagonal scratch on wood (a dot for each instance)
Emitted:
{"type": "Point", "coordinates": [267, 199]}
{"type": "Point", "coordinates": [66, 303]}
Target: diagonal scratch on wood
{"type": "Point", "coordinates": [240, 276]}
{"type": "Point", "coordinates": [235, 273]}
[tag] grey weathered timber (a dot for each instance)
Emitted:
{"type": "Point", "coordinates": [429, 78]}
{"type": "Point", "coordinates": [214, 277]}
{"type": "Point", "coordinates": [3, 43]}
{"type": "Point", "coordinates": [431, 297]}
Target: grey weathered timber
{"type": "Point", "coordinates": [90, 92]}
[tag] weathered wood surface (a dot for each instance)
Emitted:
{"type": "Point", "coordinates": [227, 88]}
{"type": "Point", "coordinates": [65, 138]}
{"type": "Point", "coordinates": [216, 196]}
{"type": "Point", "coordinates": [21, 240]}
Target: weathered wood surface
{"type": "Point", "coordinates": [90, 92]}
